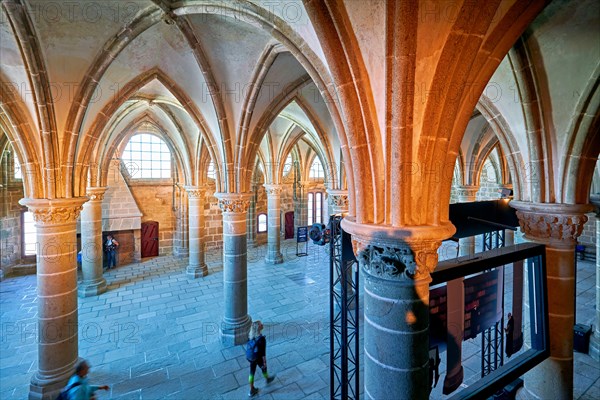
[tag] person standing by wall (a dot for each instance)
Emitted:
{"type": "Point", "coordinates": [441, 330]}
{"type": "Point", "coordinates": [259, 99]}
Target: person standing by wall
{"type": "Point", "coordinates": [510, 329]}
{"type": "Point", "coordinates": [256, 354]}
{"type": "Point", "coordinates": [110, 247]}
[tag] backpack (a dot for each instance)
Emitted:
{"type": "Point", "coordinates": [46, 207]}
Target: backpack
{"type": "Point", "coordinates": [252, 350]}
{"type": "Point", "coordinates": [64, 393]}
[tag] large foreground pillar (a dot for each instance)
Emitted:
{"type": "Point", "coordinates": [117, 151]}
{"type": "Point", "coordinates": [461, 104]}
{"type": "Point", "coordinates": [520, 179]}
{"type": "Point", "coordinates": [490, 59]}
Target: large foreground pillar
{"type": "Point", "coordinates": [93, 282]}
{"type": "Point", "coordinates": [595, 341]}
{"type": "Point", "coordinates": [55, 222]}
{"type": "Point", "coordinates": [236, 322]}
{"type": "Point", "coordinates": [196, 266]}
{"type": "Point", "coordinates": [557, 226]}
{"type": "Point", "coordinates": [396, 264]}
{"type": "Point", "coordinates": [273, 255]}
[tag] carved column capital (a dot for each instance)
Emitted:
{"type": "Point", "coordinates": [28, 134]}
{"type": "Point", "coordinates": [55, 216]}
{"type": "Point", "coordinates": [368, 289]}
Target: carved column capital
{"type": "Point", "coordinates": [195, 192]}
{"type": "Point", "coordinates": [272, 189]}
{"type": "Point", "coordinates": [338, 200]}
{"type": "Point", "coordinates": [466, 193]}
{"type": "Point", "coordinates": [234, 202]}
{"type": "Point", "coordinates": [95, 193]}
{"type": "Point", "coordinates": [54, 211]}
{"type": "Point", "coordinates": [401, 254]}
{"type": "Point", "coordinates": [557, 225]}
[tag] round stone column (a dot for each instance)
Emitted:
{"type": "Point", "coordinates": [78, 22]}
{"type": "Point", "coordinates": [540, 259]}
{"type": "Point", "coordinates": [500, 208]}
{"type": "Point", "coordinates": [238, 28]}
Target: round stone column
{"type": "Point", "coordinates": [396, 264]}
{"type": "Point", "coordinates": [595, 340]}
{"type": "Point", "coordinates": [236, 322]}
{"type": "Point", "coordinates": [196, 265]}
{"type": "Point", "coordinates": [557, 226]}
{"type": "Point", "coordinates": [93, 282]}
{"type": "Point", "coordinates": [55, 222]}
{"type": "Point", "coordinates": [466, 194]}
{"type": "Point", "coordinates": [273, 255]}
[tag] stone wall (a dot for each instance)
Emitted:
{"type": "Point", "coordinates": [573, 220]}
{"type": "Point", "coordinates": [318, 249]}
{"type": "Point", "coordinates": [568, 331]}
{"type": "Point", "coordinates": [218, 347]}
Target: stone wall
{"type": "Point", "coordinates": [588, 237]}
{"type": "Point", "coordinates": [10, 227]}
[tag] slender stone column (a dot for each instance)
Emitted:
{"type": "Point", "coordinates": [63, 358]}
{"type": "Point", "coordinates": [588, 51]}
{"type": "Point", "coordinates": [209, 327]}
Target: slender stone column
{"type": "Point", "coordinates": [196, 265]}
{"type": "Point", "coordinates": [251, 231]}
{"type": "Point", "coordinates": [466, 194]}
{"type": "Point", "coordinates": [302, 217]}
{"type": "Point", "coordinates": [557, 226]}
{"type": "Point", "coordinates": [236, 321]}
{"type": "Point", "coordinates": [273, 255]}
{"type": "Point", "coordinates": [396, 264]}
{"type": "Point", "coordinates": [93, 282]}
{"type": "Point", "coordinates": [595, 340]}
{"type": "Point", "coordinates": [181, 243]}
{"type": "Point", "coordinates": [55, 222]}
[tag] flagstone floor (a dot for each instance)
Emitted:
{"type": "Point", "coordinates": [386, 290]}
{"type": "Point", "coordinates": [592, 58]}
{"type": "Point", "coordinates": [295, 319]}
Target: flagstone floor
{"type": "Point", "coordinates": [154, 333]}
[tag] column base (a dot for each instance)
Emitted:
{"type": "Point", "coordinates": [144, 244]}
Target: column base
{"type": "Point", "coordinates": [42, 388]}
{"type": "Point", "coordinates": [235, 333]}
{"type": "Point", "coordinates": [451, 383]}
{"type": "Point", "coordinates": [196, 271]}
{"type": "Point", "coordinates": [274, 258]}
{"type": "Point", "coordinates": [595, 346]}
{"type": "Point", "coordinates": [552, 379]}
{"type": "Point", "coordinates": [92, 288]}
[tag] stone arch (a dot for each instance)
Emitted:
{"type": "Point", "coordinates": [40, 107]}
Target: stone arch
{"type": "Point", "coordinates": [583, 145]}
{"type": "Point", "coordinates": [279, 29]}
{"type": "Point", "coordinates": [118, 140]}
{"type": "Point", "coordinates": [90, 141]}
{"type": "Point", "coordinates": [32, 57]}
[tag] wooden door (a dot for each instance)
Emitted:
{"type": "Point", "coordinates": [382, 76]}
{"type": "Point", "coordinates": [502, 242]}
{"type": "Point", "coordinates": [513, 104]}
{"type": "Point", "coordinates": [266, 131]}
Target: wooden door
{"type": "Point", "coordinates": [149, 239]}
{"type": "Point", "coordinates": [289, 225]}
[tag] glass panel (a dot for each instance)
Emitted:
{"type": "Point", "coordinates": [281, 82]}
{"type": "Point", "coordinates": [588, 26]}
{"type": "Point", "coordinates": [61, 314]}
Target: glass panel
{"type": "Point", "coordinates": [318, 207]}
{"type": "Point", "coordinates": [311, 209]}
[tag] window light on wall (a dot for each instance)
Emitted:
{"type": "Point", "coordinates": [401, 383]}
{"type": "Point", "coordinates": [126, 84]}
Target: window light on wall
{"type": "Point", "coordinates": [147, 156]}
{"type": "Point", "coordinates": [262, 223]}
{"type": "Point", "coordinates": [211, 173]}
{"type": "Point", "coordinates": [29, 234]}
{"type": "Point", "coordinates": [17, 173]}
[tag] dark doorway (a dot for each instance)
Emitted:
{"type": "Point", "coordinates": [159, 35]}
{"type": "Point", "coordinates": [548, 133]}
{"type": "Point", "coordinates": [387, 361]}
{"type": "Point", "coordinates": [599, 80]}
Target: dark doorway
{"type": "Point", "coordinates": [149, 239]}
{"type": "Point", "coordinates": [289, 225]}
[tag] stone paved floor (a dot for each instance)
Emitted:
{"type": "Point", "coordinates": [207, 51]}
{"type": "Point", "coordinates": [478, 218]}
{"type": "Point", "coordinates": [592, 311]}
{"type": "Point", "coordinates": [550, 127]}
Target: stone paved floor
{"type": "Point", "coordinates": [154, 334]}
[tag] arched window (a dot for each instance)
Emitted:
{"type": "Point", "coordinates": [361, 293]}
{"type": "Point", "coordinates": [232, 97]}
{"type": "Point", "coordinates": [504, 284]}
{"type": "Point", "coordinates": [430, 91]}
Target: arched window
{"type": "Point", "coordinates": [316, 170]}
{"type": "Point", "coordinates": [262, 223]}
{"type": "Point", "coordinates": [319, 207]}
{"type": "Point", "coordinates": [315, 208]}
{"type": "Point", "coordinates": [147, 156]}
{"type": "Point", "coordinates": [17, 173]}
{"type": "Point", "coordinates": [211, 173]}
{"type": "Point", "coordinates": [287, 166]}
{"type": "Point", "coordinates": [29, 234]}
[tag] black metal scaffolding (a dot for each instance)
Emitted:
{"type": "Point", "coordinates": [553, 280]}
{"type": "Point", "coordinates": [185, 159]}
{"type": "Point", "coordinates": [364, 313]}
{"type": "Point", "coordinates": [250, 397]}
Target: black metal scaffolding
{"type": "Point", "coordinates": [492, 339]}
{"type": "Point", "coordinates": [343, 308]}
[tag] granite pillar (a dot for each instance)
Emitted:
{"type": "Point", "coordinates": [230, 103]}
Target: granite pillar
{"type": "Point", "coordinates": [557, 226]}
{"type": "Point", "coordinates": [93, 282]}
{"type": "Point", "coordinates": [273, 255]}
{"type": "Point", "coordinates": [396, 264]}
{"type": "Point", "coordinates": [236, 321]}
{"type": "Point", "coordinates": [595, 339]}
{"type": "Point", "coordinates": [196, 265]}
{"type": "Point", "coordinates": [55, 222]}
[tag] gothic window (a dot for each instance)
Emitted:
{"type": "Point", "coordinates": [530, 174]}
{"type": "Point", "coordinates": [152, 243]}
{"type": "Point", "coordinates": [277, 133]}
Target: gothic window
{"type": "Point", "coordinates": [315, 208]}
{"type": "Point", "coordinates": [262, 223]}
{"type": "Point", "coordinates": [316, 170]}
{"type": "Point", "coordinates": [147, 156]}
{"type": "Point", "coordinates": [28, 234]}
{"type": "Point", "coordinates": [211, 173]}
{"type": "Point", "coordinates": [17, 173]}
